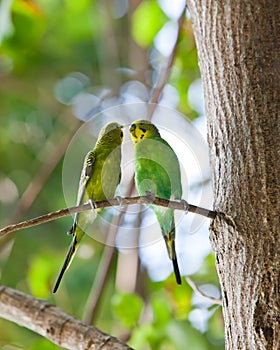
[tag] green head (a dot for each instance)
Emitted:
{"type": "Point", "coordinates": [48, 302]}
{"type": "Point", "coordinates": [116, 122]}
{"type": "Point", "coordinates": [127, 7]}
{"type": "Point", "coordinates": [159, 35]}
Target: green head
{"type": "Point", "coordinates": [141, 129]}
{"type": "Point", "coordinates": [111, 132]}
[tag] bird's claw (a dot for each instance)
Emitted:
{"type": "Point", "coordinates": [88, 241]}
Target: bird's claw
{"type": "Point", "coordinates": [186, 205]}
{"type": "Point", "coordinates": [150, 196]}
{"type": "Point", "coordinates": [71, 230]}
{"type": "Point", "coordinates": [120, 200]}
{"type": "Point", "coordinates": [92, 205]}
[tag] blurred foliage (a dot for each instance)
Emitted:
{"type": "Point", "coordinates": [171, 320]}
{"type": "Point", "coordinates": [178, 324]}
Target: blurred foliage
{"type": "Point", "coordinates": [127, 308]}
{"type": "Point", "coordinates": [148, 19]}
{"type": "Point", "coordinates": [51, 52]}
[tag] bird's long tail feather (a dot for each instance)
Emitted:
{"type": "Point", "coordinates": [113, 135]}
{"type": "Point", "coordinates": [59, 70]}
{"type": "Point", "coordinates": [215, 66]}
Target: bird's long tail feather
{"type": "Point", "coordinates": [176, 271]}
{"type": "Point", "coordinates": [70, 254]}
{"type": "Point", "coordinates": [170, 244]}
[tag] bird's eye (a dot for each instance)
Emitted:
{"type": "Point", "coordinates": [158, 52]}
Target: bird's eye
{"type": "Point", "coordinates": [121, 134]}
{"type": "Point", "coordinates": [133, 126]}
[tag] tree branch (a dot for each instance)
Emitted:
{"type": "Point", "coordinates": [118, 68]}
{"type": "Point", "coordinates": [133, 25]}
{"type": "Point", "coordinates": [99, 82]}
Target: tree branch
{"type": "Point", "coordinates": [102, 274]}
{"type": "Point", "coordinates": [165, 71]}
{"type": "Point", "coordinates": [34, 188]}
{"type": "Point", "coordinates": [196, 289]}
{"type": "Point", "coordinates": [148, 199]}
{"type": "Point", "coordinates": [55, 325]}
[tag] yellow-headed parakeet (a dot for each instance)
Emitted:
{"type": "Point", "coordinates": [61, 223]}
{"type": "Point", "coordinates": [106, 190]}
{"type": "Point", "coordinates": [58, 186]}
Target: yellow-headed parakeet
{"type": "Point", "coordinates": [99, 179]}
{"type": "Point", "coordinates": [157, 170]}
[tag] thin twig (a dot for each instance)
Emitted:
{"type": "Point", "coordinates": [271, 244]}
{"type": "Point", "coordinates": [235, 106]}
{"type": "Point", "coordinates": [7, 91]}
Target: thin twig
{"type": "Point", "coordinates": [200, 293]}
{"type": "Point", "coordinates": [101, 277]}
{"type": "Point", "coordinates": [38, 182]}
{"type": "Point", "coordinates": [34, 188]}
{"type": "Point", "coordinates": [165, 71]}
{"type": "Point", "coordinates": [148, 199]}
{"type": "Point", "coordinates": [102, 274]}
{"type": "Point", "coordinates": [55, 325]}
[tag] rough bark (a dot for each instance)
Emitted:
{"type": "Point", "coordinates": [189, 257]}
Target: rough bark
{"type": "Point", "coordinates": [47, 320]}
{"type": "Point", "coordinates": [238, 48]}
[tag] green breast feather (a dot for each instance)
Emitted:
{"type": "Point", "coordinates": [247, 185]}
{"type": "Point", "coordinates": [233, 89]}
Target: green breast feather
{"type": "Point", "coordinates": [157, 168]}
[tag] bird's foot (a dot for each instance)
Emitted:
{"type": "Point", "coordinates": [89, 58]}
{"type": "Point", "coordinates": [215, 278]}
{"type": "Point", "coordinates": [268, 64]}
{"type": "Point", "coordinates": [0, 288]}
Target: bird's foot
{"type": "Point", "coordinates": [120, 200]}
{"type": "Point", "coordinates": [186, 205]}
{"type": "Point", "coordinates": [72, 229]}
{"type": "Point", "coordinates": [92, 205]}
{"type": "Point", "coordinates": [150, 196]}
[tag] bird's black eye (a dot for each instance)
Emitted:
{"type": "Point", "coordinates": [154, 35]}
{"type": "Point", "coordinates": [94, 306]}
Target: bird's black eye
{"type": "Point", "coordinates": [121, 134]}
{"type": "Point", "coordinates": [133, 126]}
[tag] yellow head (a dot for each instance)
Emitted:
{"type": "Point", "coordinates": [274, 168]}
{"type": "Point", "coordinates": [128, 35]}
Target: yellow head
{"type": "Point", "coordinates": [111, 132]}
{"type": "Point", "coordinates": [141, 129]}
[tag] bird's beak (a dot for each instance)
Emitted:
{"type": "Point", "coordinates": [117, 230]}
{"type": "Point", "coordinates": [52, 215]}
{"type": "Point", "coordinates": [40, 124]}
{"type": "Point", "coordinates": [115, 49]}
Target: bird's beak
{"type": "Point", "coordinates": [132, 128]}
{"type": "Point", "coordinates": [132, 131]}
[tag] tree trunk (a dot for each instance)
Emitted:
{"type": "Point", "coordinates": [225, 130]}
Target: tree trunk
{"type": "Point", "coordinates": [238, 48]}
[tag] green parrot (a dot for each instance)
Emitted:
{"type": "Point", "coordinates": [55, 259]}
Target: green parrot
{"type": "Point", "coordinates": [99, 179]}
{"type": "Point", "coordinates": [157, 170]}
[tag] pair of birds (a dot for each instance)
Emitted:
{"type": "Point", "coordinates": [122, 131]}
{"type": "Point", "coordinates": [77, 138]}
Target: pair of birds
{"type": "Point", "coordinates": [156, 169]}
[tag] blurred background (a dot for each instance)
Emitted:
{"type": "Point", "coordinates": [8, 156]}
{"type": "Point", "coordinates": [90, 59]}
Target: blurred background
{"type": "Point", "coordinates": [62, 63]}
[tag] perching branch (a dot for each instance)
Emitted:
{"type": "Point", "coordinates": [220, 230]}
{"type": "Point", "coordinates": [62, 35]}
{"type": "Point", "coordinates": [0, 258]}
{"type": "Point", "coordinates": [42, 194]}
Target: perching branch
{"type": "Point", "coordinates": [55, 325]}
{"type": "Point", "coordinates": [148, 199]}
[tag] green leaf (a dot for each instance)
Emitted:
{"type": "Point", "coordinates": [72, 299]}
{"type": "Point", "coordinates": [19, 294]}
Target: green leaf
{"type": "Point", "coordinates": [44, 344]}
{"type": "Point", "coordinates": [127, 308]}
{"type": "Point", "coordinates": [39, 275]}
{"type": "Point", "coordinates": [142, 335]}
{"type": "Point", "coordinates": [161, 309]}
{"type": "Point", "coordinates": [147, 20]}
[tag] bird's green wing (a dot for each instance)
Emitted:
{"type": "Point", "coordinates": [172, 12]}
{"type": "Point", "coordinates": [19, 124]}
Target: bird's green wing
{"type": "Point", "coordinates": [85, 176]}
